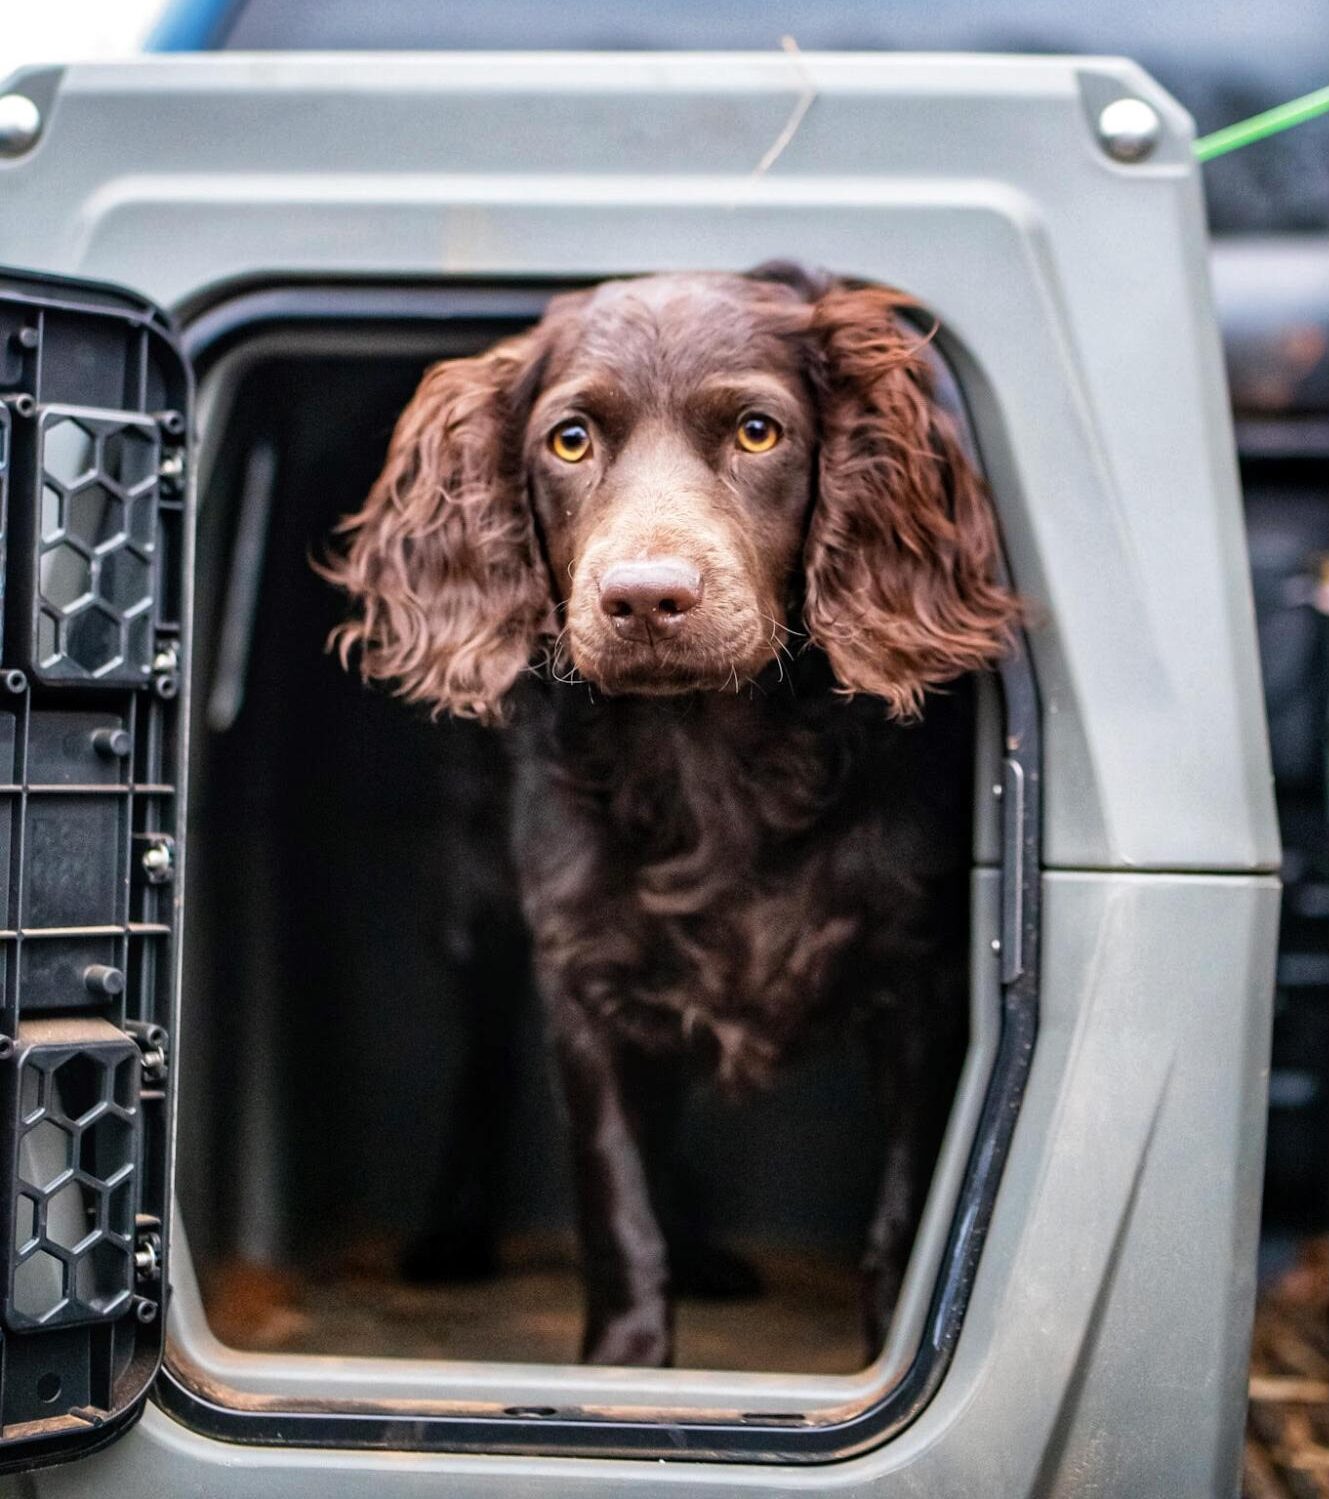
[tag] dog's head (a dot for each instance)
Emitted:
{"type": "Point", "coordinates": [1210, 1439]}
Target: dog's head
{"type": "Point", "coordinates": [662, 482]}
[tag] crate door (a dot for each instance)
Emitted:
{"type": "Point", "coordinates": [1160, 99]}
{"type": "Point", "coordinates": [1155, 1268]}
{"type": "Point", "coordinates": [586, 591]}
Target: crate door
{"type": "Point", "coordinates": [94, 413]}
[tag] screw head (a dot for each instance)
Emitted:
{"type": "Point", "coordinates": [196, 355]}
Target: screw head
{"type": "Point", "coordinates": [148, 1256]}
{"type": "Point", "coordinates": [158, 862]}
{"type": "Point", "coordinates": [20, 124]}
{"type": "Point", "coordinates": [1129, 129]}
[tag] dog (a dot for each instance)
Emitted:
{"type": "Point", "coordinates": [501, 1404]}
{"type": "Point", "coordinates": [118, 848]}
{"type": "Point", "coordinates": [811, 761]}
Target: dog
{"type": "Point", "coordinates": [710, 549]}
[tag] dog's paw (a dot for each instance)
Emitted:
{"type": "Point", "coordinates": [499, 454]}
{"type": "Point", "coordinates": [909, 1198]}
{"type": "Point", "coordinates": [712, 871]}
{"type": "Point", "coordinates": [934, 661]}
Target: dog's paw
{"type": "Point", "coordinates": [638, 1340]}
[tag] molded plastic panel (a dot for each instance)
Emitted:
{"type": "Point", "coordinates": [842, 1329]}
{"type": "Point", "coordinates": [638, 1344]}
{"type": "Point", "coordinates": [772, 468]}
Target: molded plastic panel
{"type": "Point", "coordinates": [94, 397]}
{"type": "Point", "coordinates": [1074, 291]}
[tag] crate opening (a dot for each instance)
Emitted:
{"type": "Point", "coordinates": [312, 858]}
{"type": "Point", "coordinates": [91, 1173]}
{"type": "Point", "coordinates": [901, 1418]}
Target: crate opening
{"type": "Point", "coordinates": [372, 1158]}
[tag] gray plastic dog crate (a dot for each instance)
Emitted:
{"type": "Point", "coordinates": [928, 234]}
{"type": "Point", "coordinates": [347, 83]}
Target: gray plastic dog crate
{"type": "Point", "coordinates": [1077, 1313]}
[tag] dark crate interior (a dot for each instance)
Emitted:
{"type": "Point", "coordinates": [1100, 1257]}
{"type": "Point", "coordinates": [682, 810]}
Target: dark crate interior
{"type": "Point", "coordinates": [371, 1157]}
{"type": "Point", "coordinates": [1287, 521]}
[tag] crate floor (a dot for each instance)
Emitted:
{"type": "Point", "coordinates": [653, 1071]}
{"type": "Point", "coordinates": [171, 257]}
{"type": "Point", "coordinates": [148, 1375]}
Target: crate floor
{"type": "Point", "coordinates": [806, 1321]}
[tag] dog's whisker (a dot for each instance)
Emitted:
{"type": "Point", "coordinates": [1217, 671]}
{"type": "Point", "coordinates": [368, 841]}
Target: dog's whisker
{"type": "Point", "coordinates": [779, 631]}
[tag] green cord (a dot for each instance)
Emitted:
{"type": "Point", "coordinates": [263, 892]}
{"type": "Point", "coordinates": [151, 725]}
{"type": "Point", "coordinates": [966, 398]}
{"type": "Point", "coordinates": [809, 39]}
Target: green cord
{"type": "Point", "coordinates": [1247, 132]}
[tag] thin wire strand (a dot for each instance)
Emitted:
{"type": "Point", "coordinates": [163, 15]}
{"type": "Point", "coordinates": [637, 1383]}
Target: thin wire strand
{"type": "Point", "coordinates": [801, 107]}
{"type": "Point", "coordinates": [1261, 126]}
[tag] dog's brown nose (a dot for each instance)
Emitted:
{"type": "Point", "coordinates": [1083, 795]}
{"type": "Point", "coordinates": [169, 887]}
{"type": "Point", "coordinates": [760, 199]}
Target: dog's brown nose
{"type": "Point", "coordinates": [650, 597]}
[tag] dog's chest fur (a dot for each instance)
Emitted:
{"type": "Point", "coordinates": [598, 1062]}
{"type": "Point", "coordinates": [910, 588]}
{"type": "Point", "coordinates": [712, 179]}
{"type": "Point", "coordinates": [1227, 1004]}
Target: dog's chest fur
{"type": "Point", "coordinates": [715, 874]}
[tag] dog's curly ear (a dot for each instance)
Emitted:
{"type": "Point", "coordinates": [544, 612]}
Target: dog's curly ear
{"type": "Point", "coordinates": [901, 555]}
{"type": "Point", "coordinates": [449, 591]}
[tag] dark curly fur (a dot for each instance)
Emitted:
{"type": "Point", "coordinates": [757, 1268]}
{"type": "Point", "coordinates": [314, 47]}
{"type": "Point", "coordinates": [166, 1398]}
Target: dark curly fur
{"type": "Point", "coordinates": [736, 831]}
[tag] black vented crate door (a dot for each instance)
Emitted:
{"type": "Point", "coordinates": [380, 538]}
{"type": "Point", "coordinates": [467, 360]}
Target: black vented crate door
{"type": "Point", "coordinates": [94, 412]}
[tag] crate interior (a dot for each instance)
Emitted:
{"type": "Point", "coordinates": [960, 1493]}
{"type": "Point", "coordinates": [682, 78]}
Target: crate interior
{"type": "Point", "coordinates": [372, 1160]}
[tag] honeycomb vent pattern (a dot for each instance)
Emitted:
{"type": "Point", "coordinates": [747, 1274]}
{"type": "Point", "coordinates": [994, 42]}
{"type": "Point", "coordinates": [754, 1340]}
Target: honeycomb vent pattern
{"type": "Point", "coordinates": [97, 547]}
{"type": "Point", "coordinates": [74, 1201]}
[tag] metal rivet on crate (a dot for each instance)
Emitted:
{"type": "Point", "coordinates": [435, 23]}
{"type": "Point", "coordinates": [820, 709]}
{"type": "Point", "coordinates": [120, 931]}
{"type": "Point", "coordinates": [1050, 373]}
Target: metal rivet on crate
{"type": "Point", "coordinates": [1129, 129]}
{"type": "Point", "coordinates": [158, 861]}
{"type": "Point", "coordinates": [13, 680]}
{"type": "Point", "coordinates": [171, 422]}
{"type": "Point", "coordinates": [102, 978]}
{"type": "Point", "coordinates": [27, 337]}
{"type": "Point", "coordinates": [148, 1256]}
{"type": "Point", "coordinates": [20, 124]}
{"type": "Point", "coordinates": [145, 1310]}
{"type": "Point", "coordinates": [166, 671]}
{"type": "Point", "coordinates": [152, 1041]}
{"type": "Point", "coordinates": [6, 1048]}
{"type": "Point", "coordinates": [22, 405]}
{"type": "Point", "coordinates": [172, 467]}
{"type": "Point", "coordinates": [114, 744]}
{"type": "Point", "coordinates": [154, 1062]}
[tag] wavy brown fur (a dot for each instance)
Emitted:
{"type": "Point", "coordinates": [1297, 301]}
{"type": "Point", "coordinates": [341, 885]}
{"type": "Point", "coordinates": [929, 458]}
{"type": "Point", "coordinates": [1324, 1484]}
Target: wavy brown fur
{"type": "Point", "coordinates": [728, 842]}
{"type": "Point", "coordinates": [452, 599]}
{"type": "Point", "coordinates": [902, 550]}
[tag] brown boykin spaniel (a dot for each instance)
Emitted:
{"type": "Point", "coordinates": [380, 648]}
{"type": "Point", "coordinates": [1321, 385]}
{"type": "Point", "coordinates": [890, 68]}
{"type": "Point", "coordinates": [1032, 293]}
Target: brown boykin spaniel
{"type": "Point", "coordinates": [705, 542]}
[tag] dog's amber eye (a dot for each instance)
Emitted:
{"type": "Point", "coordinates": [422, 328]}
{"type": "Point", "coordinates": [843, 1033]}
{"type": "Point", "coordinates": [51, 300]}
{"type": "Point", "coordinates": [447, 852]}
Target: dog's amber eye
{"type": "Point", "coordinates": [758, 433]}
{"type": "Point", "coordinates": [570, 441]}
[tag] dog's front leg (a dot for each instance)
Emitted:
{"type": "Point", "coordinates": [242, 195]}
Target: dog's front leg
{"type": "Point", "coordinates": [624, 1261]}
